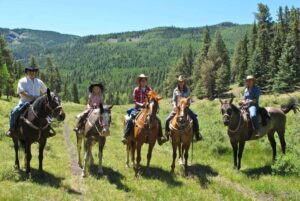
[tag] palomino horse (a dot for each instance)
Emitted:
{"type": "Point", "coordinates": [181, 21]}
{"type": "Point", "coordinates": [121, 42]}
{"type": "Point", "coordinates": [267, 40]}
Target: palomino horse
{"type": "Point", "coordinates": [34, 126]}
{"type": "Point", "coordinates": [96, 130]}
{"type": "Point", "coordinates": [145, 131]}
{"type": "Point", "coordinates": [238, 130]}
{"type": "Point", "coordinates": [181, 132]}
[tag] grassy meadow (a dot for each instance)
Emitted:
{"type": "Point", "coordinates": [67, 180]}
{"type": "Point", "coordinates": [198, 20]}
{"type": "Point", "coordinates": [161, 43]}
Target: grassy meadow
{"type": "Point", "coordinates": [211, 176]}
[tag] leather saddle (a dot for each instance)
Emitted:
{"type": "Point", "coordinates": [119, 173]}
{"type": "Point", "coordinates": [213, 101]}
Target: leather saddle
{"type": "Point", "coordinates": [263, 116]}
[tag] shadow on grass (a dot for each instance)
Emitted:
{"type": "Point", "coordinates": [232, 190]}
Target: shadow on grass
{"type": "Point", "coordinates": [114, 177]}
{"type": "Point", "coordinates": [202, 172]}
{"type": "Point", "coordinates": [255, 173]}
{"type": "Point", "coordinates": [46, 179]}
{"type": "Point", "coordinates": [159, 174]}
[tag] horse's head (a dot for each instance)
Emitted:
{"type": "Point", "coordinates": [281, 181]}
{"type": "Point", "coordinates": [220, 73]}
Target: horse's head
{"type": "Point", "coordinates": [53, 106]}
{"type": "Point", "coordinates": [227, 110]}
{"type": "Point", "coordinates": [183, 104]}
{"type": "Point", "coordinates": [105, 119]}
{"type": "Point", "coordinates": [153, 106]}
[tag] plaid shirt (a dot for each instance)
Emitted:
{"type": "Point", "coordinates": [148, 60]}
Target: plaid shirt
{"type": "Point", "coordinates": [140, 96]}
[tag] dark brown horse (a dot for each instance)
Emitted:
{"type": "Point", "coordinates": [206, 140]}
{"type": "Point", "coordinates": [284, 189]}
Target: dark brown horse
{"type": "Point", "coordinates": [238, 129]}
{"type": "Point", "coordinates": [181, 133]}
{"type": "Point", "coordinates": [34, 126]}
{"type": "Point", "coordinates": [96, 130]}
{"type": "Point", "coordinates": [145, 131]}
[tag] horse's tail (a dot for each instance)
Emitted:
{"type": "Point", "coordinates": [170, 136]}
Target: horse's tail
{"type": "Point", "coordinates": [293, 104]}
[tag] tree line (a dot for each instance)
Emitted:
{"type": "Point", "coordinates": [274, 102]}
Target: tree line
{"type": "Point", "coordinates": [271, 52]}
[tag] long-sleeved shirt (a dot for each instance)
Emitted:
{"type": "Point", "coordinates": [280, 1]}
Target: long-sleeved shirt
{"type": "Point", "coordinates": [94, 101]}
{"type": "Point", "coordinates": [176, 93]}
{"type": "Point", "coordinates": [140, 95]}
{"type": "Point", "coordinates": [252, 94]}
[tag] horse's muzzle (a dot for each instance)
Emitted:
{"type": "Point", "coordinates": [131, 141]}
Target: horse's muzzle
{"type": "Point", "coordinates": [61, 116]}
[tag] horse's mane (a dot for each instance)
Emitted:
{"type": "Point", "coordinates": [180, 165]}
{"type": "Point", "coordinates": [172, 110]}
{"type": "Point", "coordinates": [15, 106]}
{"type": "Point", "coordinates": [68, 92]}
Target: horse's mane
{"type": "Point", "coordinates": [235, 108]}
{"type": "Point", "coordinates": [38, 103]}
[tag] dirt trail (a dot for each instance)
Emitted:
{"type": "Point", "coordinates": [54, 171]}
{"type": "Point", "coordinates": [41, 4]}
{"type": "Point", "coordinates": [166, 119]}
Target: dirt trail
{"type": "Point", "coordinates": [76, 181]}
{"type": "Point", "coordinates": [247, 192]}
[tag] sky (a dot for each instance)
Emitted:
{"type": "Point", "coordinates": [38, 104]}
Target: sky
{"type": "Point", "coordinates": [85, 17]}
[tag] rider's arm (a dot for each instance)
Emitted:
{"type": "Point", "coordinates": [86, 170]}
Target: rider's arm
{"type": "Point", "coordinates": [27, 95]}
{"type": "Point", "coordinates": [135, 97]}
{"type": "Point", "coordinates": [174, 99]}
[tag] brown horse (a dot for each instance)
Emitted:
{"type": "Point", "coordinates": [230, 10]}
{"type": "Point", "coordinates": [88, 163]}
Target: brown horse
{"type": "Point", "coordinates": [181, 133]}
{"type": "Point", "coordinates": [34, 126]}
{"type": "Point", "coordinates": [238, 129]}
{"type": "Point", "coordinates": [96, 130]}
{"type": "Point", "coordinates": [145, 131]}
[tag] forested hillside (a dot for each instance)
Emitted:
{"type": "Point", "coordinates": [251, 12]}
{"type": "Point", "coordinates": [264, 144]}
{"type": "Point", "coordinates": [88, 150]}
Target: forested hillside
{"type": "Point", "coordinates": [211, 57]}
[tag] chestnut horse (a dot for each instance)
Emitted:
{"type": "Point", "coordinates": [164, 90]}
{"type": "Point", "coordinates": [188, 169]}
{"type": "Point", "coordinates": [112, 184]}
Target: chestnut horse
{"type": "Point", "coordinates": [145, 131]}
{"type": "Point", "coordinates": [181, 133]}
{"type": "Point", "coordinates": [238, 130]}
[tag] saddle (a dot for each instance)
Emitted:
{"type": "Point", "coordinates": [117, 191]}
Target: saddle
{"type": "Point", "coordinates": [263, 116]}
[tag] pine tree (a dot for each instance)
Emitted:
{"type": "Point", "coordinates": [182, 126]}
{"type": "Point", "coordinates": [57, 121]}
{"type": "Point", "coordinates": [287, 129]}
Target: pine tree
{"type": "Point", "coordinates": [197, 85]}
{"type": "Point", "coordinates": [4, 78]}
{"type": "Point", "coordinates": [252, 43]}
{"type": "Point", "coordinates": [264, 36]}
{"type": "Point", "coordinates": [75, 93]}
{"type": "Point", "coordinates": [286, 77]}
{"type": "Point", "coordinates": [240, 61]}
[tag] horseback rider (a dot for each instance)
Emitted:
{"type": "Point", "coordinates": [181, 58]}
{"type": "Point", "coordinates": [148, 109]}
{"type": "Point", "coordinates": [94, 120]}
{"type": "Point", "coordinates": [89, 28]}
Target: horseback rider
{"type": "Point", "coordinates": [29, 89]}
{"type": "Point", "coordinates": [95, 100]}
{"type": "Point", "coordinates": [140, 101]}
{"type": "Point", "coordinates": [182, 91]}
{"type": "Point", "coordinates": [251, 101]}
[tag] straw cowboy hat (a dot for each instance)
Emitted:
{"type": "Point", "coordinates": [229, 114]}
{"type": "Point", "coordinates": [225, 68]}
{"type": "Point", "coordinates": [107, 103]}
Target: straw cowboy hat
{"type": "Point", "coordinates": [98, 85]}
{"type": "Point", "coordinates": [32, 68]}
{"type": "Point", "coordinates": [142, 76]}
{"type": "Point", "coordinates": [250, 77]}
{"type": "Point", "coordinates": [181, 78]}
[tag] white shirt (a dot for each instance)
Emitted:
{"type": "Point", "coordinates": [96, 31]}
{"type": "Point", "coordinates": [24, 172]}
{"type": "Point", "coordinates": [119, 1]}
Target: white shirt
{"type": "Point", "coordinates": [33, 87]}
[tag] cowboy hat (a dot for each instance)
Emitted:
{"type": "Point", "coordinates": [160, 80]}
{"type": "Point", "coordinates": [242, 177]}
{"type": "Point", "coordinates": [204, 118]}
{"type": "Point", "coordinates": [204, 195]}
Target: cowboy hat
{"type": "Point", "coordinates": [250, 77]}
{"type": "Point", "coordinates": [181, 78]}
{"type": "Point", "coordinates": [32, 68]}
{"type": "Point", "coordinates": [94, 85]}
{"type": "Point", "coordinates": [142, 76]}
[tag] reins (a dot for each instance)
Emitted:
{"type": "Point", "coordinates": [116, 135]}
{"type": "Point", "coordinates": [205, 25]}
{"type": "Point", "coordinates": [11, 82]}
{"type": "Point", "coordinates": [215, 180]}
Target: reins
{"type": "Point", "coordinates": [239, 124]}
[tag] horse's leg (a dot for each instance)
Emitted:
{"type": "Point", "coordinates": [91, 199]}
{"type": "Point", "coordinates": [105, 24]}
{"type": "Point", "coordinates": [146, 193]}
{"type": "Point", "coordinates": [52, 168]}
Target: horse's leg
{"type": "Point", "coordinates": [87, 147]}
{"type": "Point", "coordinates": [240, 154]}
{"type": "Point", "coordinates": [138, 159]}
{"type": "Point", "coordinates": [149, 155]}
{"type": "Point", "coordinates": [79, 144]}
{"type": "Point", "coordinates": [272, 142]}
{"type": "Point", "coordinates": [16, 146]}
{"type": "Point", "coordinates": [186, 156]}
{"type": "Point", "coordinates": [180, 149]}
{"type": "Point", "coordinates": [127, 154]}
{"type": "Point", "coordinates": [102, 141]}
{"type": "Point", "coordinates": [234, 145]}
{"type": "Point", "coordinates": [42, 145]}
{"type": "Point", "coordinates": [174, 146]}
{"type": "Point", "coordinates": [28, 156]}
{"type": "Point", "coordinates": [282, 140]}
{"type": "Point", "coordinates": [133, 148]}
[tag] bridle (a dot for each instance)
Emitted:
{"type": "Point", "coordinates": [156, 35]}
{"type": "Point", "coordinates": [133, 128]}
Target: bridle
{"type": "Point", "coordinates": [52, 110]}
{"type": "Point", "coordinates": [239, 124]}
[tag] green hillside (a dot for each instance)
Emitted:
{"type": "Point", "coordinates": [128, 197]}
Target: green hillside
{"type": "Point", "coordinates": [211, 176]}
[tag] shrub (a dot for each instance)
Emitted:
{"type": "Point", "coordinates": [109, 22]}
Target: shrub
{"type": "Point", "coordinates": [287, 165]}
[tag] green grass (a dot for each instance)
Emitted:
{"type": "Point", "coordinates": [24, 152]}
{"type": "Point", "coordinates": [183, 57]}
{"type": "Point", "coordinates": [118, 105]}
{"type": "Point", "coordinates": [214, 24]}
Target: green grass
{"type": "Point", "coordinates": [211, 174]}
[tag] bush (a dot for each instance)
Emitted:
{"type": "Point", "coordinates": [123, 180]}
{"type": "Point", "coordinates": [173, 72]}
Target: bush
{"type": "Point", "coordinates": [287, 165]}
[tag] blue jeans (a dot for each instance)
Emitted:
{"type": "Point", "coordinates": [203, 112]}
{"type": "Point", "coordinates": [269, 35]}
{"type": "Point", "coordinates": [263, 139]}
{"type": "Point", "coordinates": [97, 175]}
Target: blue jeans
{"type": "Point", "coordinates": [253, 116]}
{"type": "Point", "coordinates": [15, 113]}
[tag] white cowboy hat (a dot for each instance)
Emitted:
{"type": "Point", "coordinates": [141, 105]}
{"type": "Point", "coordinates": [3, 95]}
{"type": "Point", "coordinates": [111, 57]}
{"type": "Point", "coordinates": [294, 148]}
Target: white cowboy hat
{"type": "Point", "coordinates": [181, 78]}
{"type": "Point", "coordinates": [142, 76]}
{"type": "Point", "coordinates": [250, 77]}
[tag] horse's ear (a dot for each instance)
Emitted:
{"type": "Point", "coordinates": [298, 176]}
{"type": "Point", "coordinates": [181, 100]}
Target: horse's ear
{"type": "Point", "coordinates": [110, 107]}
{"type": "Point", "coordinates": [101, 108]}
{"type": "Point", "coordinates": [159, 98]}
{"type": "Point", "coordinates": [231, 98]}
{"type": "Point", "coordinates": [221, 101]}
{"type": "Point", "coordinates": [48, 94]}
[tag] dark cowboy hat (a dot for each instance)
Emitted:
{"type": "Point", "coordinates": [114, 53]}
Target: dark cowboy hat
{"type": "Point", "coordinates": [93, 85]}
{"type": "Point", "coordinates": [31, 68]}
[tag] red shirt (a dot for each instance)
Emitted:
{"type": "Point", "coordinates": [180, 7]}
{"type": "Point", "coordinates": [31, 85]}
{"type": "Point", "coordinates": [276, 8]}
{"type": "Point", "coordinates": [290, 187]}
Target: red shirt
{"type": "Point", "coordinates": [140, 95]}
